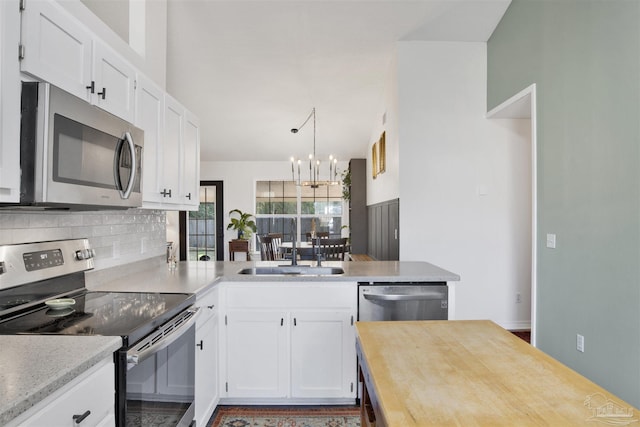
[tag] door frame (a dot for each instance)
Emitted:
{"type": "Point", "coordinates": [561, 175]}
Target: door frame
{"type": "Point", "coordinates": [523, 105]}
{"type": "Point", "coordinates": [219, 223]}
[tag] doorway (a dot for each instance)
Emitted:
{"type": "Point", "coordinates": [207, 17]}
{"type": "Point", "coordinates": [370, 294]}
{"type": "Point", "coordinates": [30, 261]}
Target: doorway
{"type": "Point", "coordinates": [523, 106]}
{"type": "Point", "coordinates": [201, 231]}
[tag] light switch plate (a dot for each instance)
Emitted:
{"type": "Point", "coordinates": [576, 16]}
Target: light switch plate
{"type": "Point", "coordinates": [551, 241]}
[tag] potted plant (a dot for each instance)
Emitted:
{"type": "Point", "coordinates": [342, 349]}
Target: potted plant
{"type": "Point", "coordinates": [245, 225]}
{"type": "Point", "coordinates": [346, 185]}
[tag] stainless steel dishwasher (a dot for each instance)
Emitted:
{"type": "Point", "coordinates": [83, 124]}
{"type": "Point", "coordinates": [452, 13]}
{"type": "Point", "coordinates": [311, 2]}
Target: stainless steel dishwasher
{"type": "Point", "coordinates": [403, 301]}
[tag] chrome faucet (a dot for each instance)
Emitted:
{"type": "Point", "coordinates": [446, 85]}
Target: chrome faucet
{"type": "Point", "coordinates": [294, 234]}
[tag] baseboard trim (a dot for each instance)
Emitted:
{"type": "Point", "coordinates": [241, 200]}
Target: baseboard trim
{"type": "Point", "coordinates": [519, 325]}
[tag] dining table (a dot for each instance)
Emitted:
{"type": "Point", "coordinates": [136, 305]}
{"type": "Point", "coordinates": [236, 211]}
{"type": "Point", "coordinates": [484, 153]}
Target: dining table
{"type": "Point", "coordinates": [304, 249]}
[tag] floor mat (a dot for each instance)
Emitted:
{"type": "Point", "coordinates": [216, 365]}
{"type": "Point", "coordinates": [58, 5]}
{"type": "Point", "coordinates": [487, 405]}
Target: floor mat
{"type": "Point", "coordinates": [259, 416]}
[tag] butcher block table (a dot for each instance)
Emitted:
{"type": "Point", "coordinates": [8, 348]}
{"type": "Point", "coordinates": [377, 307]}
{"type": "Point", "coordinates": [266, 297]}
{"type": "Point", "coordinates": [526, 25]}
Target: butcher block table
{"type": "Point", "coordinates": [472, 373]}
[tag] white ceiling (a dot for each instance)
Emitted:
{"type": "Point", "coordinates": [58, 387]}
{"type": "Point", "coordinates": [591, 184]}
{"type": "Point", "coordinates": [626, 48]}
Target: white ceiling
{"type": "Point", "coordinates": [252, 70]}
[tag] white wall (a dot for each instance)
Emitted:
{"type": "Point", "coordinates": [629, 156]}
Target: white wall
{"type": "Point", "coordinates": [464, 180]}
{"type": "Point", "coordinates": [239, 184]}
{"type": "Point", "coordinates": [386, 185]}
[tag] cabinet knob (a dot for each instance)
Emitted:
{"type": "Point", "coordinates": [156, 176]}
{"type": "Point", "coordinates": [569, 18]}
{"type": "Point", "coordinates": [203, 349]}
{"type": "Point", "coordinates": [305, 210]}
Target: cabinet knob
{"type": "Point", "coordinates": [80, 418]}
{"type": "Point", "coordinates": [201, 345]}
{"type": "Point", "coordinates": [166, 193]}
{"type": "Point", "coordinates": [189, 196]}
{"type": "Point", "coordinates": [103, 94]}
{"type": "Point", "coordinates": [92, 87]}
{"type": "Point", "coordinates": [210, 307]}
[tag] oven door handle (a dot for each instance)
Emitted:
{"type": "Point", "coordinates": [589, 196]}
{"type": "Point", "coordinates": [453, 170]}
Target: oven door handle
{"type": "Point", "coordinates": [156, 341]}
{"type": "Point", "coordinates": [404, 297]}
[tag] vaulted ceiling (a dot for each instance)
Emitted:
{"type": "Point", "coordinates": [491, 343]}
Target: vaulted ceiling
{"type": "Point", "coordinates": [252, 70]}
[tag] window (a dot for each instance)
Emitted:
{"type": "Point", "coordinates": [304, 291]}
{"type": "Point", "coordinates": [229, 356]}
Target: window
{"type": "Point", "coordinates": [203, 233]}
{"type": "Point", "coordinates": [278, 202]}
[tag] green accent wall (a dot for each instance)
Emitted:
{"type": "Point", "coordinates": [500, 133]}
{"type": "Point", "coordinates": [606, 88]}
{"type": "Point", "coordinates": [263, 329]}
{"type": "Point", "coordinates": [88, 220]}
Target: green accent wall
{"type": "Point", "coordinates": [584, 57]}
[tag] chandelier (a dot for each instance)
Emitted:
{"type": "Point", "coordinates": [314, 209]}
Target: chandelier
{"type": "Point", "coordinates": [314, 163]}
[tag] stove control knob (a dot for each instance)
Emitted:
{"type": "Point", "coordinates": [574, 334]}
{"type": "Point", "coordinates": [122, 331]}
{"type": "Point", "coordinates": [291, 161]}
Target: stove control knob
{"type": "Point", "coordinates": [83, 254]}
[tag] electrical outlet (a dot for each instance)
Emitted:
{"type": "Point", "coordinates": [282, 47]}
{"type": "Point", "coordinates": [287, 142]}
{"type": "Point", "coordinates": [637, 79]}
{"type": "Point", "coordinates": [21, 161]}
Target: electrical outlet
{"type": "Point", "coordinates": [580, 343]}
{"type": "Point", "coordinates": [518, 298]}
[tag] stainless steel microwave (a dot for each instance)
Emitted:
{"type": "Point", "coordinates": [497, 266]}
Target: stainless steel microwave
{"type": "Point", "coordinates": [73, 155]}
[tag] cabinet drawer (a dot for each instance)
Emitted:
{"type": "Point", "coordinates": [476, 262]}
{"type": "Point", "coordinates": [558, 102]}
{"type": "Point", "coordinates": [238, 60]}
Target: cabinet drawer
{"type": "Point", "coordinates": [93, 392]}
{"type": "Point", "coordinates": [292, 295]}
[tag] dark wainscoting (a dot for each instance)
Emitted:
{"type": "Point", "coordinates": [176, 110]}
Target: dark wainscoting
{"type": "Point", "coordinates": [384, 230]}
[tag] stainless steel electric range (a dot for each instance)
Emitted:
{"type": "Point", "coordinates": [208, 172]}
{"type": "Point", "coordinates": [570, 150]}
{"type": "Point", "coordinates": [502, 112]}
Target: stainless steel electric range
{"type": "Point", "coordinates": [42, 291]}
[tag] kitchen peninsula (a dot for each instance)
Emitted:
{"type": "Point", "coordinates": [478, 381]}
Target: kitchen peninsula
{"type": "Point", "coordinates": [472, 373]}
{"type": "Point", "coordinates": [283, 310]}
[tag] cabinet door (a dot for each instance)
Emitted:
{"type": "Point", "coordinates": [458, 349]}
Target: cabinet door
{"type": "Point", "coordinates": [9, 103]}
{"type": "Point", "coordinates": [114, 82]}
{"type": "Point", "coordinates": [172, 162]}
{"type": "Point", "coordinates": [207, 382]}
{"type": "Point", "coordinates": [191, 167]}
{"type": "Point", "coordinates": [323, 354]}
{"type": "Point", "coordinates": [150, 118]}
{"type": "Point", "coordinates": [256, 354]}
{"type": "Point", "coordinates": [57, 48]}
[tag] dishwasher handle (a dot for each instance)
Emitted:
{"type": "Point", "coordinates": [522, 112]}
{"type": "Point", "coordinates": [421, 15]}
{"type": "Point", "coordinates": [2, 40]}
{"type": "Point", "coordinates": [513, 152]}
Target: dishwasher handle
{"type": "Point", "coordinates": [426, 295]}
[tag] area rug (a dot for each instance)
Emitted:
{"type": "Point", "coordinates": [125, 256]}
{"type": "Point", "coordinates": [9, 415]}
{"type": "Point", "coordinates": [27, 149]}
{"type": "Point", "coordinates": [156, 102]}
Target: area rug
{"type": "Point", "coordinates": [257, 416]}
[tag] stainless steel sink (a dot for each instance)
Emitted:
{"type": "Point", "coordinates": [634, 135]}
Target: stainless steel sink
{"type": "Point", "coordinates": [298, 270]}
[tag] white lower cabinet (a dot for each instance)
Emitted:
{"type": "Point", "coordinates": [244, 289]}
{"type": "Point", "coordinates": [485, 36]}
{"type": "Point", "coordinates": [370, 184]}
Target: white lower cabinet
{"type": "Point", "coordinates": [289, 342]}
{"type": "Point", "coordinates": [256, 354]}
{"type": "Point", "coordinates": [207, 367]}
{"type": "Point", "coordinates": [323, 354]}
{"type": "Point", "coordinates": [87, 401]}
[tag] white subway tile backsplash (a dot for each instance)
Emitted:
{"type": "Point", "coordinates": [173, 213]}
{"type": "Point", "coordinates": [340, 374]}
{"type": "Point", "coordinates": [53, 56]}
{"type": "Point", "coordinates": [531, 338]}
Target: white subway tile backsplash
{"type": "Point", "coordinates": [119, 237]}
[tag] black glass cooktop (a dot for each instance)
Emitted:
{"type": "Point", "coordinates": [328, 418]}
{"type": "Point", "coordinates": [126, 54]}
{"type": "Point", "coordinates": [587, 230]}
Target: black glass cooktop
{"type": "Point", "coordinates": [131, 315]}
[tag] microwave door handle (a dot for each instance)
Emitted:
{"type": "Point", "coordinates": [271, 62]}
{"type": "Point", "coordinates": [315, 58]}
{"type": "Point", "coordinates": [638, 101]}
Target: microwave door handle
{"type": "Point", "coordinates": [134, 170]}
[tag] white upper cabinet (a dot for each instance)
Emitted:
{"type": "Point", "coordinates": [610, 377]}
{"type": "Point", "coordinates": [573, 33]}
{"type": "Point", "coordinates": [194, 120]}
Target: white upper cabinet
{"type": "Point", "coordinates": [191, 161]}
{"type": "Point", "coordinates": [173, 150]}
{"type": "Point", "coordinates": [150, 118]}
{"type": "Point", "coordinates": [58, 49]}
{"type": "Point", "coordinates": [9, 103]}
{"type": "Point", "coordinates": [114, 82]}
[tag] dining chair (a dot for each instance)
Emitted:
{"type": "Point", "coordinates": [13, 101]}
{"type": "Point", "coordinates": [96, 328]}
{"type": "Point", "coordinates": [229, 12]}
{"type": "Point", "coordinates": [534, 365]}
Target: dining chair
{"type": "Point", "coordinates": [330, 249]}
{"type": "Point", "coordinates": [266, 248]}
{"type": "Point", "coordinates": [276, 242]}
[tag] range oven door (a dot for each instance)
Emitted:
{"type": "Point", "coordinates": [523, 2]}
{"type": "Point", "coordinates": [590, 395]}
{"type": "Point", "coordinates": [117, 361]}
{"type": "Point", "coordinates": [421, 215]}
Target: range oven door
{"type": "Point", "coordinates": [156, 376]}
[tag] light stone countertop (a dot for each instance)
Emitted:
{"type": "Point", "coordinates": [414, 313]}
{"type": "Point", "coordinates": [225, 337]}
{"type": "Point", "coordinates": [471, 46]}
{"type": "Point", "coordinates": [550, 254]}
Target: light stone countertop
{"type": "Point", "coordinates": [198, 276]}
{"type": "Point", "coordinates": [34, 366]}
